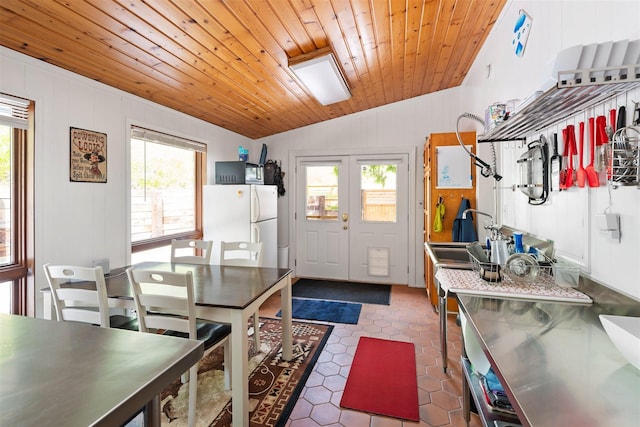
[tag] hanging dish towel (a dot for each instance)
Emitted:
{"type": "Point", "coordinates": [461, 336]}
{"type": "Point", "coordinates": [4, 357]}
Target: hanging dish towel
{"type": "Point", "coordinates": [439, 216]}
{"type": "Point", "coordinates": [463, 229]}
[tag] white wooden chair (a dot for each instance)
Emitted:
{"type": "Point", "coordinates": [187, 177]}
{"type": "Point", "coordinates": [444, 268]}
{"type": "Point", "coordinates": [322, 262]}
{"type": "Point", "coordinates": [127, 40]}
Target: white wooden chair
{"type": "Point", "coordinates": [165, 300]}
{"type": "Point", "coordinates": [184, 251]}
{"type": "Point", "coordinates": [244, 254]}
{"type": "Point", "coordinates": [75, 300]}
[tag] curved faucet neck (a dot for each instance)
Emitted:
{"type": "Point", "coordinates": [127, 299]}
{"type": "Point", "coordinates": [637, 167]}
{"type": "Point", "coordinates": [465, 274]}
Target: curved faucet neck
{"type": "Point", "coordinates": [464, 214]}
{"type": "Point", "coordinates": [492, 226]}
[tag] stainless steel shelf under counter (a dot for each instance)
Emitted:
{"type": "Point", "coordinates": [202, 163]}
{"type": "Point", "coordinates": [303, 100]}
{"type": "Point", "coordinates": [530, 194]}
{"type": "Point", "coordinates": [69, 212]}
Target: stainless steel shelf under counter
{"type": "Point", "coordinates": [555, 361]}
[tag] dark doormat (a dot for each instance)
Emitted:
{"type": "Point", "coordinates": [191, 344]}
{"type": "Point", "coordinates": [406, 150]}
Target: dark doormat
{"type": "Point", "coordinates": [365, 293]}
{"type": "Point", "coordinates": [326, 311]}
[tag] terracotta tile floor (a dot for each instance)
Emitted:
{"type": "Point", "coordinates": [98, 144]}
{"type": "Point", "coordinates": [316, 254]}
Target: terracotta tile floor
{"type": "Point", "coordinates": [410, 318]}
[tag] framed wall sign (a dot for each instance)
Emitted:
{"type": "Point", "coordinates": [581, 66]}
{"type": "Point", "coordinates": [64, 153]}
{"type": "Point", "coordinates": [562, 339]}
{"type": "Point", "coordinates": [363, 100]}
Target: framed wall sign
{"type": "Point", "coordinates": [88, 156]}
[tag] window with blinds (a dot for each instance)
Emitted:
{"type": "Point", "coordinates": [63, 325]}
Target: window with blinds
{"type": "Point", "coordinates": [14, 112]}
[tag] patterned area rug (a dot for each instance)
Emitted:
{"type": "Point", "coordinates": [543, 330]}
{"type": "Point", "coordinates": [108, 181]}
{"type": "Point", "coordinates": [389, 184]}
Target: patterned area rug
{"type": "Point", "coordinates": [274, 384]}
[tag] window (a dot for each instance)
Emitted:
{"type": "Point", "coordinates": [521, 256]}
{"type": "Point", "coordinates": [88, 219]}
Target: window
{"type": "Point", "coordinates": [166, 192]}
{"type": "Point", "coordinates": [16, 191]}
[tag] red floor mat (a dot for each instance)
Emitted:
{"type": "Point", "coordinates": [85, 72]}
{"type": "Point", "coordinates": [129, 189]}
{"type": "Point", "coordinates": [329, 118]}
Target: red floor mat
{"type": "Point", "coordinates": [382, 379]}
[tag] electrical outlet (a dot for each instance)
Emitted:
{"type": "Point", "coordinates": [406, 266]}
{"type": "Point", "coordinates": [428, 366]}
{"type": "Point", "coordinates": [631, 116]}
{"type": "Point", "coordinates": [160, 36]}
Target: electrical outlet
{"type": "Point", "coordinates": [609, 223]}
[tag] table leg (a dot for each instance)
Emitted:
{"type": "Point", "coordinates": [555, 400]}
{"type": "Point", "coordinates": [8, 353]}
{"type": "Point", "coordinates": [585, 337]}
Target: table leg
{"type": "Point", "coordinates": [466, 388]}
{"type": "Point", "coordinates": [442, 299]}
{"type": "Point", "coordinates": [256, 331]}
{"type": "Point", "coordinates": [46, 306]}
{"type": "Point", "coordinates": [285, 308]}
{"type": "Point", "coordinates": [240, 369]}
{"type": "Point", "coordinates": [466, 400]}
{"type": "Point", "coordinates": [152, 412]}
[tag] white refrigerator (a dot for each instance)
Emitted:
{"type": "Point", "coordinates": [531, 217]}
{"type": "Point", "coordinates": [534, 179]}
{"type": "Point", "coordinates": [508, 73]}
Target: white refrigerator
{"type": "Point", "coordinates": [245, 213]}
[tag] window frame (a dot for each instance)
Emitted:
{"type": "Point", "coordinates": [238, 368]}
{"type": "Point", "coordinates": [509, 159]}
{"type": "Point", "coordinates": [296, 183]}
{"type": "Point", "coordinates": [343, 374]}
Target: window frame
{"type": "Point", "coordinates": [200, 171]}
{"type": "Point", "coordinates": [22, 219]}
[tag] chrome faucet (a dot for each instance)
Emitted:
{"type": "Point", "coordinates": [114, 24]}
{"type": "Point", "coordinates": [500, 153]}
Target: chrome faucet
{"type": "Point", "coordinates": [464, 214]}
{"type": "Point", "coordinates": [495, 230]}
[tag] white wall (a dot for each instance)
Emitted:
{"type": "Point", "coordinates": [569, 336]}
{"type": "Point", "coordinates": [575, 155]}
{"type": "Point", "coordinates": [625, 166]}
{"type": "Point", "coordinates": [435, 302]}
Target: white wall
{"type": "Point", "coordinates": [568, 217]}
{"type": "Point", "coordinates": [79, 222]}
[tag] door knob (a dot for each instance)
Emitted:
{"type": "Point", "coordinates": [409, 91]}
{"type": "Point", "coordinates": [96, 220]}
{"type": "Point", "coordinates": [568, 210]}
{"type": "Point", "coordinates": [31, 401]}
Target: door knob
{"type": "Point", "coordinates": [345, 217]}
{"type": "Point", "coordinates": [344, 227]}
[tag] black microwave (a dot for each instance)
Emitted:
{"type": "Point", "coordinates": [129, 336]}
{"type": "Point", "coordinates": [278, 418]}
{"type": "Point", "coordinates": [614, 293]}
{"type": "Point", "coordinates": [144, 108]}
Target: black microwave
{"type": "Point", "coordinates": [239, 173]}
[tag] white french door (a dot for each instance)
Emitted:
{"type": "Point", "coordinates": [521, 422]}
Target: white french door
{"type": "Point", "coordinates": [322, 217]}
{"type": "Point", "coordinates": [352, 218]}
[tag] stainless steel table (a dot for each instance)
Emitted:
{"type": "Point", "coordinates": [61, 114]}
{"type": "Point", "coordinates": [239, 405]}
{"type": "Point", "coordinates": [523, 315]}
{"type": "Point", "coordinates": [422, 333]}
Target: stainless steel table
{"type": "Point", "coordinates": [68, 374]}
{"type": "Point", "coordinates": [223, 294]}
{"type": "Point", "coordinates": [454, 281]}
{"type": "Point", "coordinates": [555, 361]}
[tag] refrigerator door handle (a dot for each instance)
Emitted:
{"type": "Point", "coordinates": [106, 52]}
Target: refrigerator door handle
{"type": "Point", "coordinates": [255, 205]}
{"type": "Point", "coordinates": [255, 234]}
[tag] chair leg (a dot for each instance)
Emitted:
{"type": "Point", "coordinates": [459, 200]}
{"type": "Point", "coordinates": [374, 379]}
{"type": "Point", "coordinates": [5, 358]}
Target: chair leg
{"type": "Point", "coordinates": [193, 394]}
{"type": "Point", "coordinates": [256, 330]}
{"type": "Point", "coordinates": [227, 365]}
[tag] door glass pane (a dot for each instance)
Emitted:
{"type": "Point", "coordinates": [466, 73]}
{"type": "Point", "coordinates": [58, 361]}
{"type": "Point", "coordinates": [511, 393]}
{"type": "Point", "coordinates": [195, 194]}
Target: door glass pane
{"type": "Point", "coordinates": [322, 193]}
{"type": "Point", "coordinates": [6, 162]}
{"type": "Point", "coordinates": [378, 192]}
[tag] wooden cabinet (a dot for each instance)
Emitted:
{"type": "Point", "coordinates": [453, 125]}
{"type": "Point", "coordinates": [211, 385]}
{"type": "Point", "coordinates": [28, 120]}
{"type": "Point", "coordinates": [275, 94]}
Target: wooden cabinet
{"type": "Point", "coordinates": [451, 198]}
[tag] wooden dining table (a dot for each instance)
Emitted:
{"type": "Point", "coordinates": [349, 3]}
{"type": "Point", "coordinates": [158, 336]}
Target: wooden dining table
{"type": "Point", "coordinates": [225, 294]}
{"type": "Point", "coordinates": [74, 374]}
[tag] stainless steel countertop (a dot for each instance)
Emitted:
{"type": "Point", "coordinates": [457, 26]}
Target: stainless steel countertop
{"type": "Point", "coordinates": [555, 360]}
{"type": "Point", "coordinates": [69, 374]}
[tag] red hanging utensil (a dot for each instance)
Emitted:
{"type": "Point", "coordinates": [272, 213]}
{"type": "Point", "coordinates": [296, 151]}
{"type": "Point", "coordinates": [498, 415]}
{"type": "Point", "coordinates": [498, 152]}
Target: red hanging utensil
{"type": "Point", "coordinates": [612, 120]}
{"type": "Point", "coordinates": [571, 135]}
{"type": "Point", "coordinates": [565, 153]}
{"type": "Point", "coordinates": [592, 175]}
{"type": "Point", "coordinates": [601, 129]}
{"type": "Point", "coordinates": [581, 174]}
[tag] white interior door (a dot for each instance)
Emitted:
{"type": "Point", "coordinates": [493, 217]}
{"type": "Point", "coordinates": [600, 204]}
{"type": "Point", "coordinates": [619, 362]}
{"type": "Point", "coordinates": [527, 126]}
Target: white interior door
{"type": "Point", "coordinates": [352, 218]}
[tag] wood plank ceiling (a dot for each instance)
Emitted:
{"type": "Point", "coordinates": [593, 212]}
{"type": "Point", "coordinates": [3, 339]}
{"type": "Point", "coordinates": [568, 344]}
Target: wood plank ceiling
{"type": "Point", "coordinates": [225, 62]}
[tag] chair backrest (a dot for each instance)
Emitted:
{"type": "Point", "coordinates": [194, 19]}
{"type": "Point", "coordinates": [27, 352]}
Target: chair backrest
{"type": "Point", "coordinates": [164, 300]}
{"type": "Point", "coordinates": [245, 254]}
{"type": "Point", "coordinates": [75, 303]}
{"type": "Point", "coordinates": [184, 250]}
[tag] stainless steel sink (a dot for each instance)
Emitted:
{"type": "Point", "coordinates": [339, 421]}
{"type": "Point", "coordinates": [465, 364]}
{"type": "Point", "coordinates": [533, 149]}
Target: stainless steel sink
{"type": "Point", "coordinates": [446, 255]}
{"type": "Point", "coordinates": [449, 255]}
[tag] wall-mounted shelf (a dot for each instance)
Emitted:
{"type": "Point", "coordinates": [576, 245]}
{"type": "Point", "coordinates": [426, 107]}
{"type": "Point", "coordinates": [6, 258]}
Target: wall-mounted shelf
{"type": "Point", "coordinates": [570, 96]}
